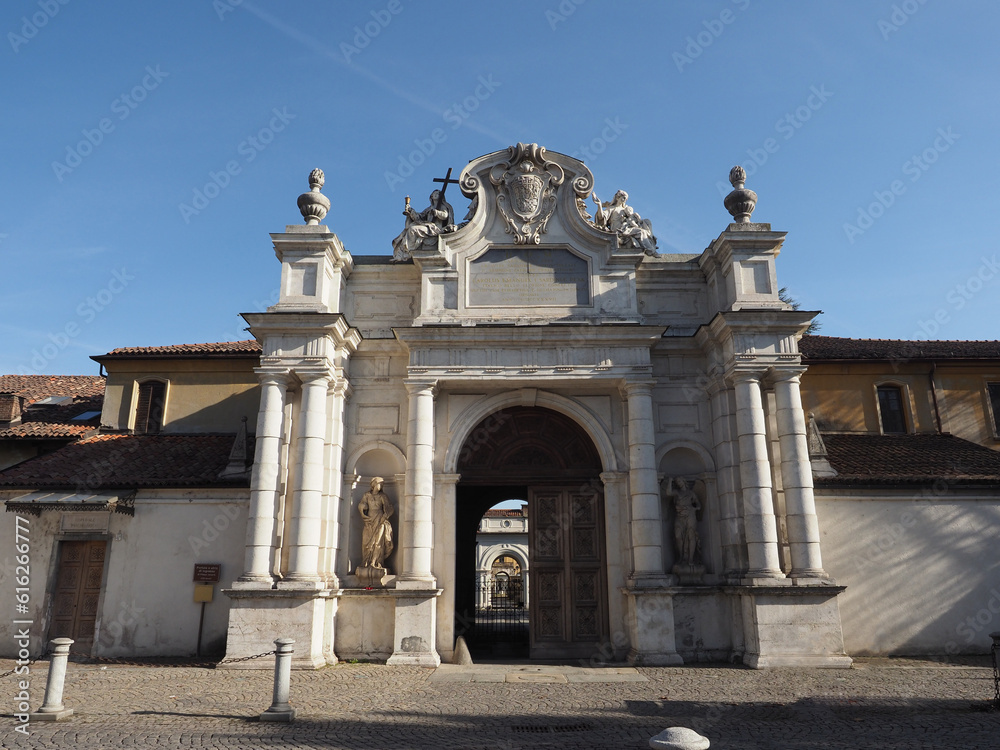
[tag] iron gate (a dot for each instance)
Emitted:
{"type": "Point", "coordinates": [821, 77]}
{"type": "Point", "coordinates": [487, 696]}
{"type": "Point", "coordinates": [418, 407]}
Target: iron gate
{"type": "Point", "coordinates": [500, 626]}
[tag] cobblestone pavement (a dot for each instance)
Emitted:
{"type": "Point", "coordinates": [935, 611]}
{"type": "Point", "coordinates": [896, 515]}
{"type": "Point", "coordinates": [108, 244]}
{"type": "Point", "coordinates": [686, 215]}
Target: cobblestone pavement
{"type": "Point", "coordinates": [885, 704]}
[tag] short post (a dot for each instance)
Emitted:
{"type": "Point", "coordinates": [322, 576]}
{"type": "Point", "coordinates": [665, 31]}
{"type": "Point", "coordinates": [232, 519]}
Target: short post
{"type": "Point", "coordinates": [53, 709]}
{"type": "Point", "coordinates": [280, 710]}
{"type": "Point", "coordinates": [995, 653]}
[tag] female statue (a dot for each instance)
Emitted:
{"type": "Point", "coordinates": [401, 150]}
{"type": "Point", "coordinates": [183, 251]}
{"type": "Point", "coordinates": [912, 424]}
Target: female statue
{"type": "Point", "coordinates": [376, 539]}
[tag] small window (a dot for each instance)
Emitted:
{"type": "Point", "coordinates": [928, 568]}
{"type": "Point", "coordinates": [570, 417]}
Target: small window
{"type": "Point", "coordinates": [149, 407]}
{"type": "Point", "coordinates": [994, 394]}
{"type": "Point", "coordinates": [890, 406]}
{"type": "Point", "coordinates": [85, 416]}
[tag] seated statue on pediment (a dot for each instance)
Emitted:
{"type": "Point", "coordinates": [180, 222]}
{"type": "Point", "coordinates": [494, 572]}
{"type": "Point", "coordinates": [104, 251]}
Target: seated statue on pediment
{"type": "Point", "coordinates": [438, 218]}
{"type": "Point", "coordinates": [617, 216]}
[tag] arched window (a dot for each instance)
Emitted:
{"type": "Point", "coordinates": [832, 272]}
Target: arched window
{"type": "Point", "coordinates": [149, 407]}
{"type": "Point", "coordinates": [891, 412]}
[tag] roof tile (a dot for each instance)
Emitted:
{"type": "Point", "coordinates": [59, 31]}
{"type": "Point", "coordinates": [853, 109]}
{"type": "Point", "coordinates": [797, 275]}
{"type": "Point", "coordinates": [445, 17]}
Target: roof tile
{"type": "Point", "coordinates": [908, 459]}
{"type": "Point", "coordinates": [116, 461]}
{"type": "Point", "coordinates": [816, 348]}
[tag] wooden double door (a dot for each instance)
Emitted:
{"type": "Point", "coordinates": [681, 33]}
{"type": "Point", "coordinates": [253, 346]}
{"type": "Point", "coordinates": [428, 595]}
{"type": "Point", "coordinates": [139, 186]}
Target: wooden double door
{"type": "Point", "coordinates": [568, 583]}
{"type": "Point", "coordinates": [78, 592]}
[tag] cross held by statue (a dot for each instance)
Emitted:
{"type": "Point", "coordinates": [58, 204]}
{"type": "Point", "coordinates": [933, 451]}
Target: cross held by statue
{"type": "Point", "coordinates": [446, 180]}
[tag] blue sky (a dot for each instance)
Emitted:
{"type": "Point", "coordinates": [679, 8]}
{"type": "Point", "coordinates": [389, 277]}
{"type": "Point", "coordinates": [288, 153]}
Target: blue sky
{"type": "Point", "coordinates": [868, 129]}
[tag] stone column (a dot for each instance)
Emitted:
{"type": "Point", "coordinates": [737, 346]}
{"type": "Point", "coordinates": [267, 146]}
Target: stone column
{"type": "Point", "coordinates": [417, 537]}
{"type": "Point", "coordinates": [727, 471]}
{"type": "Point", "coordinates": [796, 476]}
{"type": "Point", "coordinates": [338, 395]}
{"type": "Point", "coordinates": [755, 477]}
{"type": "Point", "coordinates": [265, 482]}
{"type": "Point", "coordinates": [307, 500]}
{"type": "Point", "coordinates": [646, 527]}
{"type": "Point", "coordinates": [415, 636]}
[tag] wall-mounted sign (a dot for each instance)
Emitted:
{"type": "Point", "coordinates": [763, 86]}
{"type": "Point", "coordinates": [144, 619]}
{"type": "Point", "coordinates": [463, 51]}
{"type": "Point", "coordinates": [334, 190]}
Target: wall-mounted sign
{"type": "Point", "coordinates": [207, 572]}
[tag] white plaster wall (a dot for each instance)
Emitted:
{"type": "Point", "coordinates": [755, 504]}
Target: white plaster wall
{"type": "Point", "coordinates": [147, 606]}
{"type": "Point", "coordinates": [922, 572]}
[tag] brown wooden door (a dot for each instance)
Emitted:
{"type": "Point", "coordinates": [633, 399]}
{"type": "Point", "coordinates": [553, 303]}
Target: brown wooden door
{"type": "Point", "coordinates": [78, 592]}
{"type": "Point", "coordinates": [567, 594]}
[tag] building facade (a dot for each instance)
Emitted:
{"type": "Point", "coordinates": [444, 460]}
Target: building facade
{"type": "Point", "coordinates": [652, 409]}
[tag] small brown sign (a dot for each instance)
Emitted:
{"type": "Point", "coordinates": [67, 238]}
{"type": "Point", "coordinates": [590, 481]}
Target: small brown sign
{"type": "Point", "coordinates": [207, 572]}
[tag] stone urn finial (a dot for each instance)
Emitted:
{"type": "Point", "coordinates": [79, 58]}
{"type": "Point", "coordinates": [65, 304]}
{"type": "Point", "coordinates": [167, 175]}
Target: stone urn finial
{"type": "Point", "coordinates": [314, 204]}
{"type": "Point", "coordinates": [741, 202]}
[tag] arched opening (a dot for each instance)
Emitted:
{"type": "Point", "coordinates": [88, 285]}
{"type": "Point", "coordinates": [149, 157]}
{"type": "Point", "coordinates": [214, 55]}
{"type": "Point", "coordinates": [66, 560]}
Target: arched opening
{"type": "Point", "coordinates": [542, 457]}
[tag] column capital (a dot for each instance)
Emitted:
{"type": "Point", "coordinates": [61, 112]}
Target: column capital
{"type": "Point", "coordinates": [268, 375]}
{"type": "Point", "coordinates": [447, 478]}
{"type": "Point", "coordinates": [735, 376]}
{"type": "Point", "coordinates": [611, 477]}
{"type": "Point", "coordinates": [414, 386]}
{"type": "Point", "coordinates": [782, 374]}
{"type": "Point", "coordinates": [313, 376]}
{"type": "Point", "coordinates": [341, 386]}
{"type": "Point", "coordinates": [637, 387]}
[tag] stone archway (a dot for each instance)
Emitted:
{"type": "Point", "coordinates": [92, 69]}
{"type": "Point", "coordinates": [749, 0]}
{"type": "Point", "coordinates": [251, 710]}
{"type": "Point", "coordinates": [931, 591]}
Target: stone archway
{"type": "Point", "coordinates": [545, 457]}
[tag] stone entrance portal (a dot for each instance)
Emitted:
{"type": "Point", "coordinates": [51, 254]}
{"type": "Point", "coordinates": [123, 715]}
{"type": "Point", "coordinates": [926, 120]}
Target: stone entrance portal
{"type": "Point", "coordinates": [542, 455]}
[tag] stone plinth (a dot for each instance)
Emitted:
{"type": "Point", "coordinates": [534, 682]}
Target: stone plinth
{"type": "Point", "coordinates": [416, 627]}
{"type": "Point", "coordinates": [792, 626]}
{"type": "Point", "coordinates": [651, 627]}
{"type": "Point", "coordinates": [257, 617]}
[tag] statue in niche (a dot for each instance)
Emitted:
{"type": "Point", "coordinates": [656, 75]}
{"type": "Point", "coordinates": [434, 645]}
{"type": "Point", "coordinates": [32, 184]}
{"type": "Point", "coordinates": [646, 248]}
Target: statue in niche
{"type": "Point", "coordinates": [686, 541]}
{"type": "Point", "coordinates": [376, 537]}
{"type": "Point", "coordinates": [617, 216]}
{"type": "Point", "coordinates": [438, 218]}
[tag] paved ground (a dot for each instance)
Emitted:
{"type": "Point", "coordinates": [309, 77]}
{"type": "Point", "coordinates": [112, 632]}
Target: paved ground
{"type": "Point", "coordinates": [885, 704]}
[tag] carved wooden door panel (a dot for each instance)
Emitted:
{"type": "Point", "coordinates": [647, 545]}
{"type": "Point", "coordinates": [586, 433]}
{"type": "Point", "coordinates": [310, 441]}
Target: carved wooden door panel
{"type": "Point", "coordinates": [78, 592]}
{"type": "Point", "coordinates": [566, 573]}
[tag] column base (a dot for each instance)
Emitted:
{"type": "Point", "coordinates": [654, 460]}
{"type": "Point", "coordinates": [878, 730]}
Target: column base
{"type": "Point", "coordinates": [254, 584]}
{"type": "Point", "coordinates": [61, 715]}
{"type": "Point", "coordinates": [416, 628]}
{"type": "Point", "coordinates": [651, 628]}
{"type": "Point", "coordinates": [285, 715]}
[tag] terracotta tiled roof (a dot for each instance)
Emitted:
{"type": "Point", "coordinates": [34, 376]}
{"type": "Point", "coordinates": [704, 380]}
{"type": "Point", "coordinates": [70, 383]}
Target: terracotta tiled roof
{"type": "Point", "coordinates": [219, 349]}
{"type": "Point", "coordinates": [506, 513]}
{"type": "Point", "coordinates": [120, 461]}
{"type": "Point", "coordinates": [909, 459]}
{"type": "Point", "coordinates": [52, 421]}
{"type": "Point", "coordinates": [816, 348]}
{"type": "Point", "coordinates": [34, 387]}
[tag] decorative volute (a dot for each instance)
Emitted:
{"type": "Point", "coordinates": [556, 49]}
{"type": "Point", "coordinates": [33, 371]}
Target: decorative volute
{"type": "Point", "coordinates": [314, 204]}
{"type": "Point", "coordinates": [741, 202]}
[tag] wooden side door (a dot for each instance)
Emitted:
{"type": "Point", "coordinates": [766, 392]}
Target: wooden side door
{"type": "Point", "coordinates": [78, 592]}
{"type": "Point", "coordinates": [568, 590]}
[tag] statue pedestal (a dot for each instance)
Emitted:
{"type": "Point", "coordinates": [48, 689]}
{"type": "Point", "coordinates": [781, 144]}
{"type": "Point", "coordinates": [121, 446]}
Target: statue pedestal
{"type": "Point", "coordinates": [689, 574]}
{"type": "Point", "coordinates": [371, 577]}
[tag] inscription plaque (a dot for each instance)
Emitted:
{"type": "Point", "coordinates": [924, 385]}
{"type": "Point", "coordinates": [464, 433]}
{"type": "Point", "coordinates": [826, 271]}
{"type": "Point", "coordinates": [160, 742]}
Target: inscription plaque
{"type": "Point", "coordinates": [526, 277]}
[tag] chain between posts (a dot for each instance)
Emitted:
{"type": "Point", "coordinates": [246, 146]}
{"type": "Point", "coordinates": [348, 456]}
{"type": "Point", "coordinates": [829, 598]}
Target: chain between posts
{"type": "Point", "coordinates": [30, 663]}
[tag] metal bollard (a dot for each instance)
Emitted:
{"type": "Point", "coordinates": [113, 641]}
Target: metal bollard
{"type": "Point", "coordinates": [280, 710]}
{"type": "Point", "coordinates": [53, 709]}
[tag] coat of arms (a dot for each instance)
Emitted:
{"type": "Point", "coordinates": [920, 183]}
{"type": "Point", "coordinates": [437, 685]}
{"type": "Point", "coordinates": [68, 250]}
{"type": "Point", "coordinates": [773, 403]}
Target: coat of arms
{"type": "Point", "coordinates": [526, 191]}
